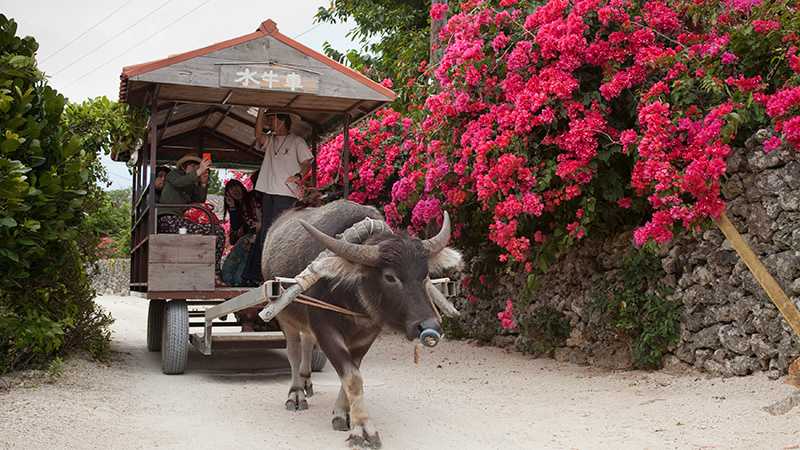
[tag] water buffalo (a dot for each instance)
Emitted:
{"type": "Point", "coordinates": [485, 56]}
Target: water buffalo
{"type": "Point", "coordinates": [386, 278]}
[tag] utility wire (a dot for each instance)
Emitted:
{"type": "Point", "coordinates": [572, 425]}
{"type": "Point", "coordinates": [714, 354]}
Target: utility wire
{"type": "Point", "coordinates": [137, 45]}
{"type": "Point", "coordinates": [85, 32]}
{"type": "Point", "coordinates": [113, 38]}
{"type": "Point", "coordinates": [307, 31]}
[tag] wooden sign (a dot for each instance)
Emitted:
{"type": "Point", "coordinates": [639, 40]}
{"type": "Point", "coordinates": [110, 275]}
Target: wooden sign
{"type": "Point", "coordinates": [268, 77]}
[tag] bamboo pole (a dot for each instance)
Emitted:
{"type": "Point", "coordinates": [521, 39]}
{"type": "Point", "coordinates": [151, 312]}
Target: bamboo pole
{"type": "Point", "coordinates": [761, 274]}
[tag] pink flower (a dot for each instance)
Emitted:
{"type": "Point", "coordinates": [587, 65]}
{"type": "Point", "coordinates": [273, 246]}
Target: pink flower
{"type": "Point", "coordinates": [772, 143]}
{"type": "Point", "coordinates": [742, 5]}
{"type": "Point", "coordinates": [628, 137]}
{"type": "Point", "coordinates": [765, 26]}
{"type": "Point", "coordinates": [425, 211]}
{"type": "Point", "coordinates": [729, 58]}
{"type": "Point", "coordinates": [624, 202]}
{"type": "Point", "coordinates": [438, 11]}
{"type": "Point", "coordinates": [745, 84]}
{"type": "Point", "coordinates": [387, 82]}
{"type": "Point", "coordinates": [506, 316]}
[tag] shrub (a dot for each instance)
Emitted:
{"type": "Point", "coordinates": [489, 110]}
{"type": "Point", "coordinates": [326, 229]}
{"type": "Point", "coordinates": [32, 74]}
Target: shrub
{"type": "Point", "coordinates": [639, 309]}
{"type": "Point", "coordinates": [46, 183]}
{"type": "Point", "coordinates": [544, 330]}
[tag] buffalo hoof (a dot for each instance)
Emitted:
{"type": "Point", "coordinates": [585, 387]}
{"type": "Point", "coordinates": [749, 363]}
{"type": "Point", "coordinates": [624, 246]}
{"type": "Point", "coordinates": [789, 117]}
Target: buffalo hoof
{"type": "Point", "coordinates": [296, 401]}
{"type": "Point", "coordinates": [341, 423]}
{"type": "Point", "coordinates": [361, 439]}
{"type": "Point", "coordinates": [309, 389]}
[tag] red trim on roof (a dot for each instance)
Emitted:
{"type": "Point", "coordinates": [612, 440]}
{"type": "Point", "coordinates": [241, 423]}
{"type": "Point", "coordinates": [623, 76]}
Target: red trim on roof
{"type": "Point", "coordinates": [267, 28]}
{"type": "Point", "coordinates": [139, 69]}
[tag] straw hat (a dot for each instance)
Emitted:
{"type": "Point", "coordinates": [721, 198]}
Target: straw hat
{"type": "Point", "coordinates": [189, 157]}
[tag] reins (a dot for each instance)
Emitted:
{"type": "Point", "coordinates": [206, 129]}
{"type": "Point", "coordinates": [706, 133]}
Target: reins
{"type": "Point", "coordinates": [316, 303]}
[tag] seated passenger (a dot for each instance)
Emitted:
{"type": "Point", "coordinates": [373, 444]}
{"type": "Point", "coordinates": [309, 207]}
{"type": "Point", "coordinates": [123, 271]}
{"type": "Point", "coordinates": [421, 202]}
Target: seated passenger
{"type": "Point", "coordinates": [161, 178]}
{"type": "Point", "coordinates": [187, 184]}
{"type": "Point", "coordinates": [245, 214]}
{"type": "Point", "coordinates": [245, 221]}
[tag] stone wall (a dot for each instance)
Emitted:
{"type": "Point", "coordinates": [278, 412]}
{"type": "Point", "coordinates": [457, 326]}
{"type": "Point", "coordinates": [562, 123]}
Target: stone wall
{"type": "Point", "coordinates": [728, 325]}
{"type": "Point", "coordinates": [111, 276]}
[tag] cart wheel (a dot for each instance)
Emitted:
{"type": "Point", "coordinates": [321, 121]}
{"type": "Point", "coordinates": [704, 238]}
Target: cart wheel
{"type": "Point", "coordinates": [175, 337]}
{"type": "Point", "coordinates": [155, 322]}
{"type": "Point", "coordinates": [318, 360]}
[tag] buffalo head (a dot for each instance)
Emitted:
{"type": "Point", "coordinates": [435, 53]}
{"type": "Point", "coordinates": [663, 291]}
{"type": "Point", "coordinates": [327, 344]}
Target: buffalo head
{"type": "Point", "coordinates": [392, 276]}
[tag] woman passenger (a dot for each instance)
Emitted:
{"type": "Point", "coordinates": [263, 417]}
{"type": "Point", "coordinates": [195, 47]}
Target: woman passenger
{"type": "Point", "coordinates": [187, 184]}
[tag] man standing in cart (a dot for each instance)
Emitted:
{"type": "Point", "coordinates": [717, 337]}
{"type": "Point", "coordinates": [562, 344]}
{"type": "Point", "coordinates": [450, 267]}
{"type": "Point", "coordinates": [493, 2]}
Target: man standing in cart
{"type": "Point", "coordinates": [287, 160]}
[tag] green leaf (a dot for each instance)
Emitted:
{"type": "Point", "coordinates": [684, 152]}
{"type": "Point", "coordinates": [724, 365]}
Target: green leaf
{"type": "Point", "coordinates": [8, 222]}
{"type": "Point", "coordinates": [9, 254]}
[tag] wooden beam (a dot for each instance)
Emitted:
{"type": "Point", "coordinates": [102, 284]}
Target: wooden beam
{"type": "Point", "coordinates": [151, 202]}
{"type": "Point", "coordinates": [227, 96]}
{"type": "Point", "coordinates": [198, 102]}
{"type": "Point", "coordinates": [771, 287]}
{"type": "Point", "coordinates": [188, 118]}
{"type": "Point", "coordinates": [291, 101]}
{"type": "Point", "coordinates": [166, 121]}
{"type": "Point", "coordinates": [219, 122]}
{"type": "Point", "coordinates": [436, 50]}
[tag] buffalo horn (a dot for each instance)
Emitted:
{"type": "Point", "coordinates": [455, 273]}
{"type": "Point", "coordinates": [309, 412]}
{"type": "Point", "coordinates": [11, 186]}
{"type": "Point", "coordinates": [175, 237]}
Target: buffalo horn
{"type": "Point", "coordinates": [437, 243]}
{"type": "Point", "coordinates": [441, 301]}
{"type": "Point", "coordinates": [367, 255]}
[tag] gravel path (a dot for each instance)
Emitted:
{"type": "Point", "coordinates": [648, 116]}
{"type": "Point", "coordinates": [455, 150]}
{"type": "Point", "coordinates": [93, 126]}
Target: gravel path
{"type": "Point", "coordinates": [458, 397]}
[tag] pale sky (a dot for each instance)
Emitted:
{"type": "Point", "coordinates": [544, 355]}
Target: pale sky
{"type": "Point", "coordinates": [131, 32]}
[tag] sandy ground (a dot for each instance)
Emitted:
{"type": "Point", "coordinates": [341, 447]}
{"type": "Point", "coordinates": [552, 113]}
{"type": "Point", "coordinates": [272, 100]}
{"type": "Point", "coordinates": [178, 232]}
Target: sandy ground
{"type": "Point", "coordinates": [459, 397]}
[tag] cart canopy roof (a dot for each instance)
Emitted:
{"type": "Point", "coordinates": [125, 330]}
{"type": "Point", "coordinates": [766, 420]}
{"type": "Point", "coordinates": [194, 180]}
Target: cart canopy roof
{"type": "Point", "coordinates": [206, 98]}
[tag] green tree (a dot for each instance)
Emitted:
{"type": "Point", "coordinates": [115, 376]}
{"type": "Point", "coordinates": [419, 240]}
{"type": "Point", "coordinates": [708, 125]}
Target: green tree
{"type": "Point", "coordinates": [393, 37]}
{"type": "Point", "coordinates": [104, 127]}
{"type": "Point", "coordinates": [214, 183]}
{"type": "Point", "coordinates": [112, 220]}
{"type": "Point", "coordinates": [46, 176]}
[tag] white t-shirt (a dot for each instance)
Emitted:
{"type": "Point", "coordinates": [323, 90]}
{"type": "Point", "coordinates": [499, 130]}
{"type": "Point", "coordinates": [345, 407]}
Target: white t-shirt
{"type": "Point", "coordinates": [282, 158]}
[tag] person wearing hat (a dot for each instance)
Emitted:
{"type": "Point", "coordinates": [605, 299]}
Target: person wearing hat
{"type": "Point", "coordinates": [287, 159]}
{"type": "Point", "coordinates": [187, 184]}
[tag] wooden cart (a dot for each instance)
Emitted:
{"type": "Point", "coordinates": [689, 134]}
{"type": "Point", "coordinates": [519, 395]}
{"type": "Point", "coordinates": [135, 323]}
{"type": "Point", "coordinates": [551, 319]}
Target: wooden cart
{"type": "Point", "coordinates": [203, 101]}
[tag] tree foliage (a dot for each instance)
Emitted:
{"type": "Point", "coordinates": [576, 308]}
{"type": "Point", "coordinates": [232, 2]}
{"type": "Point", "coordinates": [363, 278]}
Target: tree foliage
{"type": "Point", "coordinates": [393, 37]}
{"type": "Point", "coordinates": [47, 175]}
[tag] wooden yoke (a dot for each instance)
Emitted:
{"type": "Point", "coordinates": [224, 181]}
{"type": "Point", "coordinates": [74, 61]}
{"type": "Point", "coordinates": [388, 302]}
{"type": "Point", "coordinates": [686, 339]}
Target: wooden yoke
{"type": "Point", "coordinates": [767, 282]}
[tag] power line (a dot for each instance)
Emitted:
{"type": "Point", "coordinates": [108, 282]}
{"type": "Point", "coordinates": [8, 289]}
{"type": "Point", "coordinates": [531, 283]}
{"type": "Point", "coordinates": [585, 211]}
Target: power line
{"type": "Point", "coordinates": [114, 37]}
{"type": "Point", "coordinates": [137, 45]}
{"type": "Point", "coordinates": [85, 32]}
{"type": "Point", "coordinates": [307, 31]}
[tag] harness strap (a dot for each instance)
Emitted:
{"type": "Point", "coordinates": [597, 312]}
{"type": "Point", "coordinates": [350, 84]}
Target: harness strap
{"type": "Point", "coordinates": [311, 301]}
{"type": "Point", "coordinates": [315, 302]}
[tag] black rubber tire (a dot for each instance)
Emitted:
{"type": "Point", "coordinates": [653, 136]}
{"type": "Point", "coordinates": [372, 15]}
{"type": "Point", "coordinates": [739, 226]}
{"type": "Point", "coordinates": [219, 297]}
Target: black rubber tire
{"type": "Point", "coordinates": [155, 322]}
{"type": "Point", "coordinates": [175, 338]}
{"type": "Point", "coordinates": [318, 360]}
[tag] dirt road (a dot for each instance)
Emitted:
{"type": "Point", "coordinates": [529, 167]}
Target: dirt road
{"type": "Point", "coordinates": [458, 397]}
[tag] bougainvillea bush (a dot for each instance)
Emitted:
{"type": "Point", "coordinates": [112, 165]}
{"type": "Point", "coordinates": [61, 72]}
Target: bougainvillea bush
{"type": "Point", "coordinates": [551, 120]}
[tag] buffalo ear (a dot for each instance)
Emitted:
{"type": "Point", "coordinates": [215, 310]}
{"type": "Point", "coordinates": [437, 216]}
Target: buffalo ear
{"type": "Point", "coordinates": [444, 261]}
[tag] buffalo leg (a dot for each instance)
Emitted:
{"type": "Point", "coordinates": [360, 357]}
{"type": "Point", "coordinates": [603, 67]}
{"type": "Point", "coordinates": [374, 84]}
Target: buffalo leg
{"type": "Point", "coordinates": [307, 346]}
{"type": "Point", "coordinates": [297, 397]}
{"type": "Point", "coordinates": [341, 412]}
{"type": "Point", "coordinates": [363, 433]}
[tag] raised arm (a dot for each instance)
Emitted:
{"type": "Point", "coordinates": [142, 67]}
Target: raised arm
{"type": "Point", "coordinates": [259, 129]}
